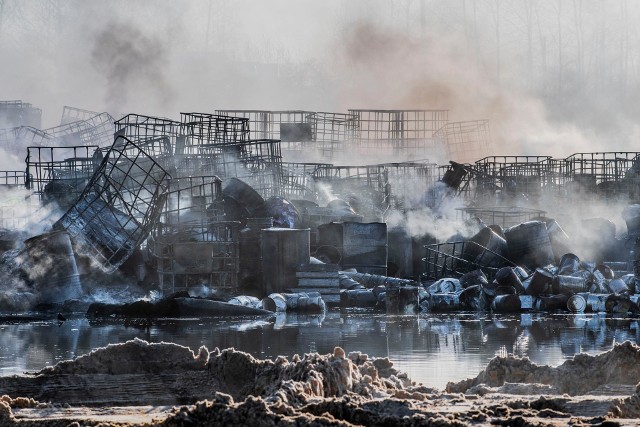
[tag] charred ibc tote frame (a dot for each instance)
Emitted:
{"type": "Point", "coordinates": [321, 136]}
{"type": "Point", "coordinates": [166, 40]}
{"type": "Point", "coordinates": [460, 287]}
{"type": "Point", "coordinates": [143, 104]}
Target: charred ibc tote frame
{"type": "Point", "coordinates": [118, 207]}
{"type": "Point", "coordinates": [449, 259]}
{"type": "Point", "coordinates": [405, 180]}
{"type": "Point", "coordinates": [465, 141]}
{"type": "Point", "coordinates": [191, 243]}
{"type": "Point", "coordinates": [73, 114]}
{"type": "Point", "coordinates": [504, 216]}
{"type": "Point", "coordinates": [138, 128]}
{"type": "Point", "coordinates": [258, 163]}
{"type": "Point", "coordinates": [61, 173]}
{"type": "Point", "coordinates": [202, 129]}
{"type": "Point", "coordinates": [291, 127]}
{"type": "Point", "coordinates": [18, 113]}
{"type": "Point", "coordinates": [333, 133]}
{"type": "Point", "coordinates": [406, 132]}
{"type": "Point", "coordinates": [96, 130]}
{"type": "Point", "coordinates": [603, 174]}
{"type": "Point", "coordinates": [298, 182]}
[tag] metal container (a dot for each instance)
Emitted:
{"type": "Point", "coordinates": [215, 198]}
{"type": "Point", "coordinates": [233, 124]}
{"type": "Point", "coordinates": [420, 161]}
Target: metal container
{"type": "Point", "coordinates": [358, 298]}
{"type": "Point", "coordinates": [569, 264]}
{"type": "Point", "coordinates": [283, 212]}
{"type": "Point", "coordinates": [444, 286]}
{"type": "Point", "coordinates": [528, 244]}
{"type": "Point", "coordinates": [631, 215]}
{"type": "Point", "coordinates": [617, 286]}
{"type": "Point", "coordinates": [241, 201]}
{"type": "Point", "coordinates": [246, 301]}
{"type": "Point", "coordinates": [251, 254]}
{"type": "Point", "coordinates": [569, 285]}
{"type": "Point", "coordinates": [283, 249]}
{"type": "Point", "coordinates": [539, 282]}
{"type": "Point", "coordinates": [491, 250]}
{"type": "Point", "coordinates": [362, 246]}
{"type": "Point", "coordinates": [53, 267]}
{"type": "Point", "coordinates": [526, 302]}
{"type": "Point", "coordinates": [300, 302]}
{"type": "Point", "coordinates": [507, 277]}
{"type": "Point", "coordinates": [551, 303]}
{"type": "Point", "coordinates": [560, 241]}
{"type": "Point", "coordinates": [402, 300]}
{"type": "Point", "coordinates": [577, 303]}
{"type": "Point", "coordinates": [400, 255]}
{"type": "Point", "coordinates": [506, 304]}
{"type": "Point", "coordinates": [444, 302]}
{"type": "Point", "coordinates": [473, 278]}
{"type": "Point", "coordinates": [597, 302]}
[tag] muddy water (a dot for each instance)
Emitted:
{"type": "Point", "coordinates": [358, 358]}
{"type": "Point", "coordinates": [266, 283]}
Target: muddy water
{"type": "Point", "coordinates": [432, 349]}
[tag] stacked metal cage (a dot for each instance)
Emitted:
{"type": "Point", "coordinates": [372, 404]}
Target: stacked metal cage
{"type": "Point", "coordinates": [191, 243]}
{"type": "Point", "coordinates": [603, 174]}
{"type": "Point", "coordinates": [333, 133]}
{"type": "Point", "coordinates": [298, 182]}
{"type": "Point", "coordinates": [202, 129]}
{"type": "Point", "coordinates": [117, 209]}
{"type": "Point", "coordinates": [60, 173]}
{"type": "Point", "coordinates": [465, 141]}
{"type": "Point", "coordinates": [404, 132]}
{"type": "Point", "coordinates": [504, 216]}
{"type": "Point", "coordinates": [73, 114]}
{"type": "Point", "coordinates": [291, 127]}
{"type": "Point", "coordinates": [409, 182]}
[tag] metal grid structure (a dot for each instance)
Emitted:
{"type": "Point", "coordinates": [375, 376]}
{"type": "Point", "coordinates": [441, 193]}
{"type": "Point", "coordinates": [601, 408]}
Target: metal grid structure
{"type": "Point", "coordinates": [399, 131]}
{"type": "Point", "coordinates": [408, 182]}
{"type": "Point", "coordinates": [258, 163]}
{"type": "Point", "coordinates": [448, 260]}
{"type": "Point", "coordinates": [18, 113]}
{"type": "Point", "coordinates": [117, 209]}
{"type": "Point", "coordinates": [510, 176]}
{"type": "Point", "coordinates": [137, 128]}
{"type": "Point", "coordinates": [191, 244]}
{"type": "Point", "coordinates": [60, 173]}
{"type": "Point", "coordinates": [73, 114]}
{"type": "Point", "coordinates": [333, 132]}
{"type": "Point", "coordinates": [608, 174]}
{"type": "Point", "coordinates": [366, 188]}
{"type": "Point", "coordinates": [201, 129]}
{"type": "Point", "coordinates": [504, 216]}
{"type": "Point", "coordinates": [291, 127]}
{"type": "Point", "coordinates": [297, 180]}
{"type": "Point", "coordinates": [465, 141]}
{"type": "Point", "coordinates": [13, 179]}
{"type": "Point", "coordinates": [96, 130]}
{"type": "Point", "coordinates": [15, 140]}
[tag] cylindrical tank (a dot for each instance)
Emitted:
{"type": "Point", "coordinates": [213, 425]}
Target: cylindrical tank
{"type": "Point", "coordinates": [539, 282]}
{"type": "Point", "coordinates": [506, 304]}
{"type": "Point", "coordinates": [362, 246]}
{"type": "Point", "coordinates": [400, 259]}
{"type": "Point", "coordinates": [358, 298]}
{"type": "Point", "coordinates": [528, 244]}
{"type": "Point", "coordinates": [283, 249]}
{"type": "Point", "coordinates": [54, 269]}
{"type": "Point", "coordinates": [491, 249]}
{"type": "Point", "coordinates": [569, 285]}
{"type": "Point", "coordinates": [251, 255]}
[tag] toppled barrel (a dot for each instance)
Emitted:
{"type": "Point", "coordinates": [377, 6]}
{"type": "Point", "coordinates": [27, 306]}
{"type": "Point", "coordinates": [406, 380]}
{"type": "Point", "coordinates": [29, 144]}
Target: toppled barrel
{"type": "Point", "coordinates": [301, 302]}
{"type": "Point", "coordinates": [529, 244]}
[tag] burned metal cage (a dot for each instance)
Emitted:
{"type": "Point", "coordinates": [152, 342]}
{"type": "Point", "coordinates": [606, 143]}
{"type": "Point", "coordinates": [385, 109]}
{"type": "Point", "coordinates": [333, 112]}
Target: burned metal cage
{"type": "Point", "coordinates": [409, 132]}
{"type": "Point", "coordinates": [333, 133]}
{"type": "Point", "coordinates": [291, 127]}
{"type": "Point", "coordinates": [136, 128]}
{"type": "Point", "coordinates": [201, 129]}
{"type": "Point", "coordinates": [608, 174]}
{"type": "Point", "coordinates": [258, 163]}
{"type": "Point", "coordinates": [117, 209]}
{"type": "Point", "coordinates": [61, 173]}
{"type": "Point", "coordinates": [511, 176]}
{"type": "Point", "coordinates": [504, 216]}
{"type": "Point", "coordinates": [191, 243]}
{"type": "Point", "coordinates": [452, 259]}
{"type": "Point", "coordinates": [96, 130]}
{"type": "Point", "coordinates": [73, 114]}
{"type": "Point", "coordinates": [298, 182]}
{"type": "Point", "coordinates": [13, 179]}
{"type": "Point", "coordinates": [408, 182]}
{"type": "Point", "coordinates": [465, 141]}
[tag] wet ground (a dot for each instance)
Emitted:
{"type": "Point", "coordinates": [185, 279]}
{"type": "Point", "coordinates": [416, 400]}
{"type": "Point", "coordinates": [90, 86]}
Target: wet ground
{"type": "Point", "coordinates": [432, 349]}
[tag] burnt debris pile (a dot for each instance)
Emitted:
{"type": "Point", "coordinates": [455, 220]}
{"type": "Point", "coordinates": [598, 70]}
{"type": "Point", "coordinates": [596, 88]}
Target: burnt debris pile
{"type": "Point", "coordinates": [256, 212]}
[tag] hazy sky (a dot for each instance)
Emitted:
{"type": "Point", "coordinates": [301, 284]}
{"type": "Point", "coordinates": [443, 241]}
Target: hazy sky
{"type": "Point", "coordinates": [559, 76]}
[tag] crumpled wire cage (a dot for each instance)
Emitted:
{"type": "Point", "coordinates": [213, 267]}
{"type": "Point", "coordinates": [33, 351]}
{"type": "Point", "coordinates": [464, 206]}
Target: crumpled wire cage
{"type": "Point", "coordinates": [95, 130]}
{"type": "Point", "coordinates": [201, 129]}
{"type": "Point", "coordinates": [608, 174]}
{"type": "Point", "coordinates": [451, 259]}
{"type": "Point", "coordinates": [73, 114]}
{"type": "Point", "coordinates": [504, 216]}
{"type": "Point", "coordinates": [61, 173]}
{"type": "Point", "coordinates": [117, 209]}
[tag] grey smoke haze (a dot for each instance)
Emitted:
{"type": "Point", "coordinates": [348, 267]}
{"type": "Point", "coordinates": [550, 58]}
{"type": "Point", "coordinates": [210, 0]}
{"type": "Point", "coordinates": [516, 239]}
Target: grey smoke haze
{"type": "Point", "coordinates": [553, 77]}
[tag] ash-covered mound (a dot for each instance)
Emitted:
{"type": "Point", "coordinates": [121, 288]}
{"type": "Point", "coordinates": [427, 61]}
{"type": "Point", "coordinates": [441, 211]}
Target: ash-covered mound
{"type": "Point", "coordinates": [579, 375]}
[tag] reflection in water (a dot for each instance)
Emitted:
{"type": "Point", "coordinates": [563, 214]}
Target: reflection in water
{"type": "Point", "coordinates": [431, 349]}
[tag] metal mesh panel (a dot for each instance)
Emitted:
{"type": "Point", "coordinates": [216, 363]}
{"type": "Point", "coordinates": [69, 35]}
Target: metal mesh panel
{"type": "Point", "coordinates": [504, 216]}
{"type": "Point", "coordinates": [138, 128]}
{"type": "Point", "coordinates": [333, 133]}
{"type": "Point", "coordinates": [117, 209]}
{"type": "Point", "coordinates": [201, 129]}
{"type": "Point", "coordinates": [73, 114]}
{"type": "Point", "coordinates": [96, 130]}
{"type": "Point", "coordinates": [466, 141]}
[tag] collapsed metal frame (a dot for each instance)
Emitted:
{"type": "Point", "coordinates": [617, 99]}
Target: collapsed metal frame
{"type": "Point", "coordinates": [465, 141]}
{"type": "Point", "coordinates": [191, 243]}
{"type": "Point", "coordinates": [448, 259]}
{"type": "Point", "coordinates": [138, 127]}
{"type": "Point", "coordinates": [399, 131]}
{"type": "Point", "coordinates": [96, 130]}
{"type": "Point", "coordinates": [73, 114]}
{"type": "Point", "coordinates": [202, 129]}
{"type": "Point", "coordinates": [117, 209]}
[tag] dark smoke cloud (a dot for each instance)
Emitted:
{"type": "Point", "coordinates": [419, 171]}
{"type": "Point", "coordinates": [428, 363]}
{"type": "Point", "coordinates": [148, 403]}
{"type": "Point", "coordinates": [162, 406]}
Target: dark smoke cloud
{"type": "Point", "coordinates": [132, 63]}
